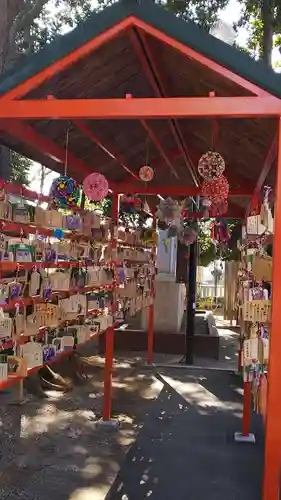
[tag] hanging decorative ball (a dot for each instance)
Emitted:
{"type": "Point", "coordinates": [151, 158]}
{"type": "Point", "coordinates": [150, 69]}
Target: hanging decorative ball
{"type": "Point", "coordinates": [146, 173]}
{"type": "Point", "coordinates": [65, 192]}
{"type": "Point", "coordinates": [216, 190]}
{"type": "Point", "coordinates": [211, 165]}
{"type": "Point", "coordinates": [95, 186]}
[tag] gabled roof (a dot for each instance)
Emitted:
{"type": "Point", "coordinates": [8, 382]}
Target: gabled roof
{"type": "Point", "coordinates": [184, 32]}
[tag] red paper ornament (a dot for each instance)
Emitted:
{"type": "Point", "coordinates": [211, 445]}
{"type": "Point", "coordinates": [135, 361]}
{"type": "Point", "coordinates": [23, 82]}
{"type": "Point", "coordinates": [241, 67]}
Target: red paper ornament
{"type": "Point", "coordinates": [216, 190]}
{"type": "Point", "coordinates": [146, 173]}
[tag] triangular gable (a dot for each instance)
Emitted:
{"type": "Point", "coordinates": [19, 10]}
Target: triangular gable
{"type": "Point", "coordinates": [166, 22]}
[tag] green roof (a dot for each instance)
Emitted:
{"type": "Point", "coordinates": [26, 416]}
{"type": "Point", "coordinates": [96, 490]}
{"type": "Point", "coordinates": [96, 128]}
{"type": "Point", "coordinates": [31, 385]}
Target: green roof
{"type": "Point", "coordinates": [185, 32]}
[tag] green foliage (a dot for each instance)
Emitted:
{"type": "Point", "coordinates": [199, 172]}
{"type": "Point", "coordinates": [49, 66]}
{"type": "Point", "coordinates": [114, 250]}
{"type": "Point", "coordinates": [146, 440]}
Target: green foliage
{"type": "Point", "coordinates": [27, 25]}
{"type": "Point", "coordinates": [208, 252]}
{"type": "Point", "coordinates": [204, 303]}
{"type": "Point", "coordinates": [203, 12]}
{"type": "Point", "coordinates": [104, 206]}
{"type": "Point", "coordinates": [20, 168]}
{"type": "Point", "coordinates": [66, 15]}
{"type": "Point", "coordinates": [262, 20]}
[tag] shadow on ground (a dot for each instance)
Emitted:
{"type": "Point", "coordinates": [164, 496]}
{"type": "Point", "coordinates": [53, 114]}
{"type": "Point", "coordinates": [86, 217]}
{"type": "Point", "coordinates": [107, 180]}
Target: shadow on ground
{"type": "Point", "coordinates": [53, 448]}
{"type": "Point", "coordinates": [185, 450]}
{"type": "Point", "coordinates": [177, 424]}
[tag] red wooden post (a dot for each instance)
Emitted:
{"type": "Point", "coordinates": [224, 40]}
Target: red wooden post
{"type": "Point", "coordinates": [271, 480]}
{"type": "Point", "coordinates": [246, 422]}
{"type": "Point", "coordinates": [150, 333]}
{"type": "Point", "coordinates": [109, 354]}
{"type": "Point", "coordinates": [109, 349]}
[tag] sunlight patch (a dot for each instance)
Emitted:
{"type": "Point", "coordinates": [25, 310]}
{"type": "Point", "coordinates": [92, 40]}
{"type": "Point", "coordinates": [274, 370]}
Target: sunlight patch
{"type": "Point", "coordinates": [193, 392]}
{"type": "Point", "coordinates": [92, 493]}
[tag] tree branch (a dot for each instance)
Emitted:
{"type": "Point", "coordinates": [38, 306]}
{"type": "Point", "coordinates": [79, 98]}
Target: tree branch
{"type": "Point", "coordinates": [28, 15]}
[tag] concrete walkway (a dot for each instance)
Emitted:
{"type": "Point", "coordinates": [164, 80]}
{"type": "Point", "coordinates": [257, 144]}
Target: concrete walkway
{"type": "Point", "coordinates": [185, 450]}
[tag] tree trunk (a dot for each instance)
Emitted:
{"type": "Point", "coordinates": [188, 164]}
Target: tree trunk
{"type": "Point", "coordinates": [267, 39]}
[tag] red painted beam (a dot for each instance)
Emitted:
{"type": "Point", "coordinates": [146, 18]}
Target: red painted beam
{"type": "Point", "coordinates": [150, 68]}
{"type": "Point", "coordinates": [88, 133]}
{"type": "Point", "coordinates": [181, 190]}
{"type": "Point", "coordinates": [267, 166]}
{"type": "Point", "coordinates": [48, 148]}
{"type": "Point", "coordinates": [142, 109]}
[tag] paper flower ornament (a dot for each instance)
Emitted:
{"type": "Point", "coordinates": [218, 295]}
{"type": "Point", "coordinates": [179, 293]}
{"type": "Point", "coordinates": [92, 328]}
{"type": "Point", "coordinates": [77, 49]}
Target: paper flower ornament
{"type": "Point", "coordinates": [95, 186]}
{"type": "Point", "coordinates": [146, 173]}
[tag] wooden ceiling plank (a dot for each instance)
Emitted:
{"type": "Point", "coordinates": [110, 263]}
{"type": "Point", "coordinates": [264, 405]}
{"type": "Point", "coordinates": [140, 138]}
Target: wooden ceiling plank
{"type": "Point", "coordinates": [150, 68]}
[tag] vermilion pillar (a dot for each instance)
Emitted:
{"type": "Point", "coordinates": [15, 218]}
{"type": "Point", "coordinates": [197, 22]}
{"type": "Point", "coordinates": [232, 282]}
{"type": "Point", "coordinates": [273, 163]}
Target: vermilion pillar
{"type": "Point", "coordinates": [273, 418]}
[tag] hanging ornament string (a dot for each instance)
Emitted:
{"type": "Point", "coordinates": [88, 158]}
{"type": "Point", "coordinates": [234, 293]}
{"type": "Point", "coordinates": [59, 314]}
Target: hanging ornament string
{"type": "Point", "coordinates": [146, 158]}
{"type": "Point", "coordinates": [146, 163]}
{"type": "Point", "coordinates": [215, 135]}
{"type": "Point", "coordinates": [215, 128]}
{"type": "Point", "coordinates": [146, 172]}
{"type": "Point", "coordinates": [65, 192]}
{"type": "Point", "coordinates": [66, 150]}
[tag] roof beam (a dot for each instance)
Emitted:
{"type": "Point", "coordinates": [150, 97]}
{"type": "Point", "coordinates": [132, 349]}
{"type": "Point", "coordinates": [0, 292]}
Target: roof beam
{"type": "Point", "coordinates": [142, 109]}
{"type": "Point", "coordinates": [47, 147]}
{"type": "Point", "coordinates": [180, 190]}
{"type": "Point", "coordinates": [159, 147]}
{"type": "Point", "coordinates": [267, 166]}
{"type": "Point", "coordinates": [150, 68]}
{"type": "Point", "coordinates": [88, 133]}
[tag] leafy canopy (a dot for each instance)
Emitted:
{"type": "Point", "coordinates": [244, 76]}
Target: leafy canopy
{"type": "Point", "coordinates": [203, 12]}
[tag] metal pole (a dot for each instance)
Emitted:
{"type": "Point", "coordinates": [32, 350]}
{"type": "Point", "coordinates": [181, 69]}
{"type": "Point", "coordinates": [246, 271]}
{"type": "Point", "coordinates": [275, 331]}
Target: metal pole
{"type": "Point", "coordinates": [191, 305]}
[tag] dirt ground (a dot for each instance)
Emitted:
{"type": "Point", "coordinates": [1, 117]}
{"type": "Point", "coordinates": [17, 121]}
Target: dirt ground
{"type": "Point", "coordinates": [175, 439]}
{"type": "Point", "coordinates": [54, 448]}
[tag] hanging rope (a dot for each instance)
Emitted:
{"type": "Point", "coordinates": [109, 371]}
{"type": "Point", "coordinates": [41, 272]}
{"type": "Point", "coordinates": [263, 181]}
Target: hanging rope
{"type": "Point", "coordinates": [66, 150]}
